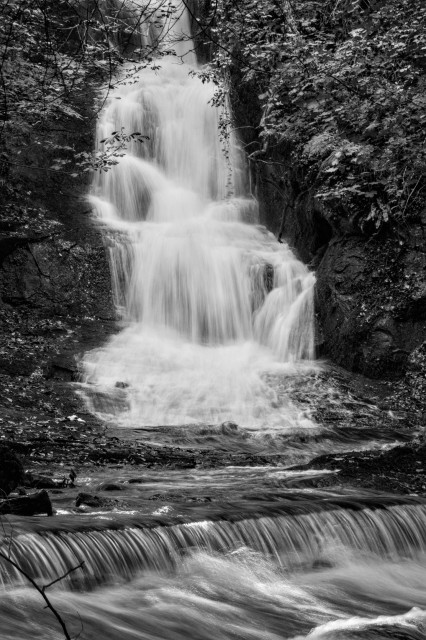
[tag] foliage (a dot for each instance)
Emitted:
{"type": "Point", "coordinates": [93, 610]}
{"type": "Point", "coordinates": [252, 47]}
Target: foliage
{"type": "Point", "coordinates": [113, 148]}
{"type": "Point", "coordinates": [53, 53]}
{"type": "Point", "coordinates": [341, 85]}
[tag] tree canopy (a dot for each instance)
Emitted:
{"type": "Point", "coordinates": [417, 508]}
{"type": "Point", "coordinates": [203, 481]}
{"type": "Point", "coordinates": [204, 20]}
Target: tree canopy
{"type": "Point", "coordinates": [53, 53]}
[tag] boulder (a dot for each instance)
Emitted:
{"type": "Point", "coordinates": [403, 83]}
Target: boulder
{"type": "Point", "coordinates": [28, 505]}
{"type": "Point", "coordinates": [91, 500]}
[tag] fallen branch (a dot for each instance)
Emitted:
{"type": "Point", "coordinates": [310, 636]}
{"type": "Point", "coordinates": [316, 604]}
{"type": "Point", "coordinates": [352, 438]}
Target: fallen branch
{"type": "Point", "coordinates": [41, 590]}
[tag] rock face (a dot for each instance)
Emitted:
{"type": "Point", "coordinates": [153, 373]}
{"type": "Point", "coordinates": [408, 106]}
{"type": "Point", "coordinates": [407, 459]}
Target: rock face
{"type": "Point", "coordinates": [371, 289]}
{"type": "Point", "coordinates": [54, 272]}
{"type": "Point", "coordinates": [56, 275]}
{"type": "Point", "coordinates": [55, 293]}
{"type": "Point", "coordinates": [371, 304]}
{"type": "Point", "coordinates": [52, 258]}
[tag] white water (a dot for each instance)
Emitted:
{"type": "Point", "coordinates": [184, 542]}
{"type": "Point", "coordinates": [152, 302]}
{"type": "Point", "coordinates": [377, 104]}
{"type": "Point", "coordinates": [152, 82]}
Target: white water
{"type": "Point", "coordinates": [365, 584]}
{"type": "Point", "coordinates": [214, 309]}
{"type": "Point", "coordinates": [293, 541]}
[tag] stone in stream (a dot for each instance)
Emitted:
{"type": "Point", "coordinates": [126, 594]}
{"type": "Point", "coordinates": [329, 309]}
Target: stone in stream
{"type": "Point", "coordinates": [86, 501]}
{"type": "Point", "coordinates": [121, 385]}
{"type": "Point", "coordinates": [229, 428]}
{"type": "Point", "coordinates": [110, 486]}
{"type": "Point", "coordinates": [90, 500]}
{"type": "Point", "coordinates": [268, 277]}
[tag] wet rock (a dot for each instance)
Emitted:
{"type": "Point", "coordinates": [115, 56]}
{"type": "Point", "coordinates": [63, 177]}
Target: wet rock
{"type": "Point", "coordinates": [268, 277]}
{"type": "Point", "coordinates": [36, 481]}
{"type": "Point", "coordinates": [121, 385]}
{"type": "Point", "coordinates": [400, 469]}
{"type": "Point", "coordinates": [11, 471]}
{"type": "Point", "coordinates": [367, 317]}
{"type": "Point", "coordinates": [86, 501]}
{"type": "Point", "coordinates": [229, 428]}
{"type": "Point", "coordinates": [110, 486]}
{"type": "Point", "coordinates": [91, 500]}
{"type": "Point", "coordinates": [63, 367]}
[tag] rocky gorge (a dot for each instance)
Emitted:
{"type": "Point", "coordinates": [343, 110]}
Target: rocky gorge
{"type": "Point", "coordinates": [178, 459]}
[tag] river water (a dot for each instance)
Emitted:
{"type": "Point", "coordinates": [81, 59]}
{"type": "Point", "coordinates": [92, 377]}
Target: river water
{"type": "Point", "coordinates": [217, 331]}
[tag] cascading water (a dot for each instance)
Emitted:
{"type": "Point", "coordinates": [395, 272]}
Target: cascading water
{"type": "Point", "coordinates": [215, 309]}
{"type": "Point", "coordinates": [331, 574]}
{"type": "Point", "coordinates": [292, 541]}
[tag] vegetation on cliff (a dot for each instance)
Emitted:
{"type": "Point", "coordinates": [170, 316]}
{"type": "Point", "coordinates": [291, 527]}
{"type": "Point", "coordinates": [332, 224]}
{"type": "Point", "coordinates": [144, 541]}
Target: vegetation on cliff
{"type": "Point", "coordinates": [341, 87]}
{"type": "Point", "coordinates": [54, 53]}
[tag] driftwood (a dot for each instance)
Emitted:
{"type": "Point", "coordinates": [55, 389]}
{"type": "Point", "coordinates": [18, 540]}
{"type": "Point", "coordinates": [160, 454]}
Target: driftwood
{"type": "Point", "coordinates": [27, 505]}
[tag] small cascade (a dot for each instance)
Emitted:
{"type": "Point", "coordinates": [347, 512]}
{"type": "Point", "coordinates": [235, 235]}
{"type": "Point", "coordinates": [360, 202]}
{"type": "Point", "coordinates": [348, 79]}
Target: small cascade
{"type": "Point", "coordinates": [215, 310]}
{"type": "Point", "coordinates": [289, 541]}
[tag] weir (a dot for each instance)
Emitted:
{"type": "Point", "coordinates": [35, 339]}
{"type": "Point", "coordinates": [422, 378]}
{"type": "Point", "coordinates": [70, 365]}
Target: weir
{"type": "Point", "coordinates": [290, 541]}
{"type": "Point", "coordinates": [214, 309]}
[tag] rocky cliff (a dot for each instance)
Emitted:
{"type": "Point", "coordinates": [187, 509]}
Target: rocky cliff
{"type": "Point", "coordinates": [55, 297]}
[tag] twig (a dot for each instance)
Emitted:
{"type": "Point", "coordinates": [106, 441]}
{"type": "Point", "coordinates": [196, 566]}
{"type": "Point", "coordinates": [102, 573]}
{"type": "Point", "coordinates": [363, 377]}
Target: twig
{"type": "Point", "coordinates": [42, 589]}
{"type": "Point", "coordinates": [79, 566]}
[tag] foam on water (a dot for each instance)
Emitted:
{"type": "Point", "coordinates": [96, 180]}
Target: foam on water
{"type": "Point", "coordinates": [239, 596]}
{"type": "Point", "coordinates": [211, 302]}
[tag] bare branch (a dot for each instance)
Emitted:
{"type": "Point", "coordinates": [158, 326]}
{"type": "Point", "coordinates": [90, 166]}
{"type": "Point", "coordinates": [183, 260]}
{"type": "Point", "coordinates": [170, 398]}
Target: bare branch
{"type": "Point", "coordinates": [41, 590]}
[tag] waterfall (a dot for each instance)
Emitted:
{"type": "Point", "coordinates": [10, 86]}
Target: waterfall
{"type": "Point", "coordinates": [214, 309]}
{"type": "Point", "coordinates": [291, 541]}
